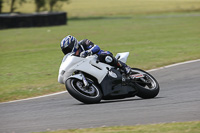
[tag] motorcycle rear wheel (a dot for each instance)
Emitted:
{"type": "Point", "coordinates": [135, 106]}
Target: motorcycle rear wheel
{"type": "Point", "coordinates": [89, 95]}
{"type": "Point", "coordinates": [148, 86]}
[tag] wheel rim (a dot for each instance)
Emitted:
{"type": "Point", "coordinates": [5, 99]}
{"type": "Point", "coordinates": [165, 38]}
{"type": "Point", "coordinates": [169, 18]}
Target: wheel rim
{"type": "Point", "coordinates": [151, 82]}
{"type": "Point", "coordinates": [91, 91]}
{"type": "Point", "coordinates": [147, 81]}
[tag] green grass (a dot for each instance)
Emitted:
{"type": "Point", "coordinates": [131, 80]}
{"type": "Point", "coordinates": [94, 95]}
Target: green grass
{"type": "Point", "coordinates": [30, 57]}
{"type": "Point", "coordinates": [155, 32]}
{"type": "Point", "coordinates": [179, 127]}
{"type": "Point", "coordinates": [84, 8]}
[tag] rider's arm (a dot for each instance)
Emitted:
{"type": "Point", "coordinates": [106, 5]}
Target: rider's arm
{"type": "Point", "coordinates": [95, 49]}
{"type": "Point", "coordinates": [89, 46]}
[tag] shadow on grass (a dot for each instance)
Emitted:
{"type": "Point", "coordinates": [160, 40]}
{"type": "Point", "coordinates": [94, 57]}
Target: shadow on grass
{"type": "Point", "coordinates": [96, 18]}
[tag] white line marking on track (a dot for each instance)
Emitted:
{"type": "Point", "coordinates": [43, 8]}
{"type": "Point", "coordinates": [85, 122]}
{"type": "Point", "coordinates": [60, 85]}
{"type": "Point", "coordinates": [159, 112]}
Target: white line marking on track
{"type": "Point", "coordinates": [181, 63]}
{"type": "Point", "coordinates": [53, 94]}
{"type": "Point", "coordinates": [173, 65]}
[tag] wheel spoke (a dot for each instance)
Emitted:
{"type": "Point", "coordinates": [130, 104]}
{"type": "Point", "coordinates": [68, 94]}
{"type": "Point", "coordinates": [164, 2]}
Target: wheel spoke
{"type": "Point", "coordinates": [90, 91]}
{"type": "Point", "coordinates": [147, 82]}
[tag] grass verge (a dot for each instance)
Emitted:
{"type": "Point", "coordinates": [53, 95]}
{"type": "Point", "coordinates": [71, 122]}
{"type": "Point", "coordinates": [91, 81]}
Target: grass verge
{"type": "Point", "coordinates": [80, 8]}
{"type": "Point", "coordinates": [179, 127]}
{"type": "Point", "coordinates": [30, 57]}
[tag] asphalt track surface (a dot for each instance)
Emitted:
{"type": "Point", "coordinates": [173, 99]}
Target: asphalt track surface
{"type": "Point", "coordinates": [178, 100]}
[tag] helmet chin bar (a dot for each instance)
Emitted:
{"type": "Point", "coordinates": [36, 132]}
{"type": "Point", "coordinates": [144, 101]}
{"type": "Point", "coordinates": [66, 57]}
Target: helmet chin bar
{"type": "Point", "coordinates": [66, 50]}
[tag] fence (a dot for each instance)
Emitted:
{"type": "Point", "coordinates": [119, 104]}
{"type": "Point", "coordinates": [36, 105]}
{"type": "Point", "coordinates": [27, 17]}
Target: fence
{"type": "Point", "coordinates": [32, 20]}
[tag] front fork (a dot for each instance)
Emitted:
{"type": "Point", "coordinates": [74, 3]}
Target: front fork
{"type": "Point", "coordinates": [80, 76]}
{"type": "Point", "coordinates": [86, 84]}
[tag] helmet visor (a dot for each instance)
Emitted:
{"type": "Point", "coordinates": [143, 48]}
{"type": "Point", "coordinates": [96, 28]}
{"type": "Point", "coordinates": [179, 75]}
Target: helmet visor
{"type": "Point", "coordinates": [66, 50]}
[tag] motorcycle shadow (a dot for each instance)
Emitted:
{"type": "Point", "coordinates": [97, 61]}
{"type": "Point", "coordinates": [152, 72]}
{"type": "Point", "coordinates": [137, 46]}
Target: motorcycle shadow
{"type": "Point", "coordinates": [120, 100]}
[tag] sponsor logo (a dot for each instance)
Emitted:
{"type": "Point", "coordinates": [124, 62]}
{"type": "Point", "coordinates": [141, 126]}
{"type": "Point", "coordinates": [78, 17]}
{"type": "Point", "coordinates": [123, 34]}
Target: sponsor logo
{"type": "Point", "coordinates": [137, 76]}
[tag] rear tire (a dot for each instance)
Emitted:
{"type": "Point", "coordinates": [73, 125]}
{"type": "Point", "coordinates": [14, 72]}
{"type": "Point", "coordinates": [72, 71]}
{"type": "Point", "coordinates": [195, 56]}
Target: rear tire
{"type": "Point", "coordinates": [88, 96]}
{"type": "Point", "coordinates": [146, 90]}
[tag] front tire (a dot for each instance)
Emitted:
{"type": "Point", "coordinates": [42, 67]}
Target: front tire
{"type": "Point", "coordinates": [147, 86]}
{"type": "Point", "coordinates": [89, 95]}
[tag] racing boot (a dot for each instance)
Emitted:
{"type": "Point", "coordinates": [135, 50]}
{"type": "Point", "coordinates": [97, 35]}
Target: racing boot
{"type": "Point", "coordinates": [124, 67]}
{"type": "Point", "coordinates": [121, 65]}
{"type": "Point", "coordinates": [126, 70]}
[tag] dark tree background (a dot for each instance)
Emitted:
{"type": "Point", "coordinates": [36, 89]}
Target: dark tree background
{"type": "Point", "coordinates": [39, 4]}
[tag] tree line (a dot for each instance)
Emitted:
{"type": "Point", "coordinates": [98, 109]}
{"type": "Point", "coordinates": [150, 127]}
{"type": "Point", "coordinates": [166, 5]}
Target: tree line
{"type": "Point", "coordinates": [40, 4]}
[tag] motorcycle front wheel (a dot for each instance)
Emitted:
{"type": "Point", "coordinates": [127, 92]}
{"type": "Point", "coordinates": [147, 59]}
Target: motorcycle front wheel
{"type": "Point", "coordinates": [147, 86]}
{"type": "Point", "coordinates": [88, 95]}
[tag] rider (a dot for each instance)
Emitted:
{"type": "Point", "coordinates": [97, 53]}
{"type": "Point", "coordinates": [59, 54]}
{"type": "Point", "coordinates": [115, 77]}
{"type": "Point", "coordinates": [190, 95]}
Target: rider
{"type": "Point", "coordinates": [85, 48]}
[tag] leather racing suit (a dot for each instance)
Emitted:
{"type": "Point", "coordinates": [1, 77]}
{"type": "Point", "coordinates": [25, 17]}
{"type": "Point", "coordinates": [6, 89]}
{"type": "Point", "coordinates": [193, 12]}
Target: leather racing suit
{"type": "Point", "coordinates": [86, 47]}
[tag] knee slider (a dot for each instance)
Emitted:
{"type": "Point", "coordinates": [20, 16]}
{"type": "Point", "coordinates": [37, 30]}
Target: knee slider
{"type": "Point", "coordinates": [108, 59]}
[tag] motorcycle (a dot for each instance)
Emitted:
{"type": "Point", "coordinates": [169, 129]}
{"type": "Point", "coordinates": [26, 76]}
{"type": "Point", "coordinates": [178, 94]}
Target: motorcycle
{"type": "Point", "coordinates": [89, 81]}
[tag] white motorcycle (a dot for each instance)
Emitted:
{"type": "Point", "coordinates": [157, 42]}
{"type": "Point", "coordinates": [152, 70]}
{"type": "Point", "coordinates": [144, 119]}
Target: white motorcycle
{"type": "Point", "coordinates": [90, 81]}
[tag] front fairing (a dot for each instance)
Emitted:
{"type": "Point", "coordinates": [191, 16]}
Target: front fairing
{"type": "Point", "coordinates": [68, 61]}
{"type": "Point", "coordinates": [88, 65]}
{"type": "Point", "coordinates": [65, 68]}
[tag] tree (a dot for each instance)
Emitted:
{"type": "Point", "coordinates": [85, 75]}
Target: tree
{"type": "Point", "coordinates": [52, 3]}
{"type": "Point", "coordinates": [39, 4]}
{"type": "Point", "coordinates": [12, 8]}
{"type": "Point", "coordinates": [1, 5]}
{"type": "Point", "coordinates": [13, 2]}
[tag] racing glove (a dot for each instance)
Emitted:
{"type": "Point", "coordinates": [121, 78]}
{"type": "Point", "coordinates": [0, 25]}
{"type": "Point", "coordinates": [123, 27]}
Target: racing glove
{"type": "Point", "coordinates": [85, 53]}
